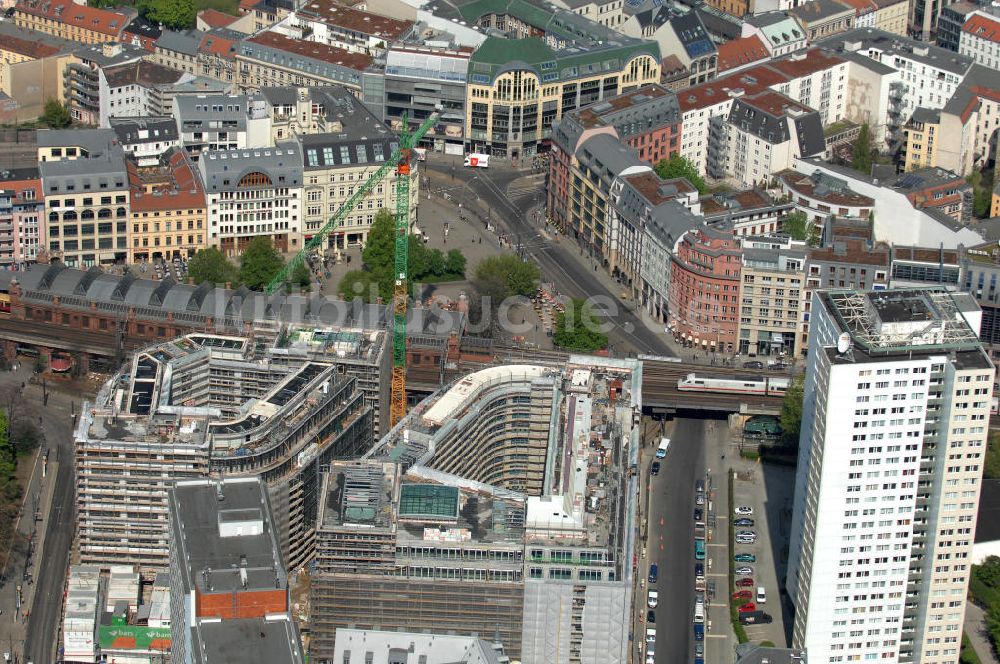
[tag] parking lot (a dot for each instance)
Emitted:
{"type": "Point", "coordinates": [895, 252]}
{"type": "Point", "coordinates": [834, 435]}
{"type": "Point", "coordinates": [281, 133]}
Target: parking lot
{"type": "Point", "coordinates": [768, 490]}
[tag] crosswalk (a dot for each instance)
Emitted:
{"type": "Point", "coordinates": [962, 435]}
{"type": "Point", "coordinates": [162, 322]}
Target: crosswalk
{"type": "Point", "coordinates": [527, 186]}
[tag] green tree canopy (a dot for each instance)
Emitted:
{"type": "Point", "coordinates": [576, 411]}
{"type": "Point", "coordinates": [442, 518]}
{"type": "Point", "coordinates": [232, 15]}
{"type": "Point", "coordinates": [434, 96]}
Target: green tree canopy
{"type": "Point", "coordinates": [173, 14]}
{"type": "Point", "coordinates": [577, 328]}
{"type": "Point", "coordinates": [791, 411]}
{"type": "Point", "coordinates": [55, 115]}
{"type": "Point", "coordinates": [211, 265]}
{"type": "Point", "coordinates": [519, 277]}
{"type": "Point", "coordinates": [379, 257]}
{"type": "Point", "coordinates": [861, 154]}
{"type": "Point", "coordinates": [798, 227]}
{"type": "Point", "coordinates": [301, 276]}
{"type": "Point", "coordinates": [681, 167]}
{"type": "Point", "coordinates": [260, 262]}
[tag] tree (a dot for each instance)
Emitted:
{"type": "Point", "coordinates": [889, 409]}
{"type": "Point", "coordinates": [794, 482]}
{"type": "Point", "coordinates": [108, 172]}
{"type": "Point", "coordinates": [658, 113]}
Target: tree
{"type": "Point", "coordinates": [982, 192]}
{"type": "Point", "coordinates": [681, 167]}
{"type": "Point", "coordinates": [55, 115]}
{"type": "Point", "coordinates": [519, 277]}
{"type": "Point", "coordinates": [380, 248]}
{"type": "Point", "coordinates": [359, 284]}
{"type": "Point", "coordinates": [577, 328]}
{"type": "Point", "coordinates": [259, 263]}
{"type": "Point", "coordinates": [791, 411]}
{"type": "Point", "coordinates": [301, 276]}
{"type": "Point", "coordinates": [455, 263]}
{"type": "Point", "coordinates": [861, 154]}
{"type": "Point", "coordinates": [211, 265]}
{"type": "Point", "coordinates": [796, 225]}
{"type": "Point", "coordinates": [173, 14]}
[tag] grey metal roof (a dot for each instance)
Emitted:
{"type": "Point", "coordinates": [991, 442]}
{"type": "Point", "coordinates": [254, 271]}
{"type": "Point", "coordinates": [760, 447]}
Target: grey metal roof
{"type": "Point", "coordinates": [93, 175]}
{"type": "Point", "coordinates": [186, 42]}
{"type": "Point", "coordinates": [605, 155]}
{"type": "Point", "coordinates": [154, 129]}
{"type": "Point", "coordinates": [978, 76]}
{"type": "Point", "coordinates": [195, 108]}
{"type": "Point", "coordinates": [247, 640]}
{"type": "Point", "coordinates": [222, 170]}
{"type": "Point", "coordinates": [750, 653]}
{"type": "Point", "coordinates": [692, 34]}
{"type": "Point", "coordinates": [865, 39]}
{"type": "Point", "coordinates": [819, 10]}
{"type": "Point", "coordinates": [94, 141]}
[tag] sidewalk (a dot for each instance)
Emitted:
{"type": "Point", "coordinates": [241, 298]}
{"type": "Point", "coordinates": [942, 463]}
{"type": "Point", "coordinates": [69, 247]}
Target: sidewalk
{"type": "Point", "coordinates": [975, 629]}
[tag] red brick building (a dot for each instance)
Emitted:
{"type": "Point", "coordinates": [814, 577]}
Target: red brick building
{"type": "Point", "coordinates": [704, 289]}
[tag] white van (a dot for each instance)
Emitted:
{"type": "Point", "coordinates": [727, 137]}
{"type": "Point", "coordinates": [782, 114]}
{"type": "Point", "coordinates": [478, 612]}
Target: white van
{"type": "Point", "coordinates": [650, 635]}
{"type": "Point", "coordinates": [761, 595]}
{"type": "Point", "coordinates": [477, 160]}
{"type": "Point", "coordinates": [699, 611]}
{"type": "Point", "coordinates": [661, 451]}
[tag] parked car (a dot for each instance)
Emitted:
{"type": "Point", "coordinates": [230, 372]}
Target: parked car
{"type": "Point", "coordinates": [744, 539]}
{"type": "Point", "coordinates": [745, 558]}
{"type": "Point", "coordinates": [743, 510]}
{"type": "Point", "coordinates": [699, 515]}
{"type": "Point", "coordinates": [652, 573]}
{"type": "Point", "coordinates": [755, 618]}
{"type": "Point", "coordinates": [746, 533]}
{"type": "Point", "coordinates": [741, 595]}
{"type": "Point", "coordinates": [700, 499]}
{"type": "Point", "coordinates": [743, 523]}
{"type": "Point", "coordinates": [651, 616]}
{"type": "Point", "coordinates": [746, 608]}
{"type": "Point", "coordinates": [655, 468]}
{"type": "Point", "coordinates": [746, 570]}
{"type": "Point", "coordinates": [699, 632]}
{"type": "Point", "coordinates": [699, 648]}
{"type": "Point", "coordinates": [650, 635]}
{"type": "Point", "coordinates": [745, 583]}
{"type": "Point", "coordinates": [653, 598]}
{"type": "Point", "coordinates": [753, 364]}
{"type": "Point", "coordinates": [699, 569]}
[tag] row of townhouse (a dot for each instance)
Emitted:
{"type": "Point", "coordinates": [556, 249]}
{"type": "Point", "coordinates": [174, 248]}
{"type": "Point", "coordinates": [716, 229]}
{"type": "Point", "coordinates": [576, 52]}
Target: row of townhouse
{"type": "Point", "coordinates": [153, 188]}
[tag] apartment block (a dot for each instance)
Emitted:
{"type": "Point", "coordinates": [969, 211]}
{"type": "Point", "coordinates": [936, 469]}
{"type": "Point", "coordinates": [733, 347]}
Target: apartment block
{"type": "Point", "coordinates": [703, 309]}
{"type": "Point", "coordinates": [781, 33]}
{"type": "Point", "coordinates": [679, 34]}
{"type": "Point", "coordinates": [271, 59]}
{"type": "Point", "coordinates": [337, 162]}
{"type": "Point", "coordinates": [823, 18]}
{"type": "Point", "coordinates": [220, 122]}
{"type": "Point", "coordinates": [543, 571]}
{"type": "Point", "coordinates": [146, 138]}
{"type": "Point", "coordinates": [228, 584]}
{"type": "Point", "coordinates": [349, 28]}
{"type": "Point", "coordinates": [922, 136]}
{"type": "Point", "coordinates": [253, 193]}
{"type": "Point", "coordinates": [772, 285]}
{"type": "Point", "coordinates": [762, 135]}
{"type": "Point", "coordinates": [897, 402]}
{"type": "Point", "coordinates": [822, 197]}
{"type": "Point", "coordinates": [68, 20]}
{"type": "Point", "coordinates": [950, 24]}
{"type": "Point", "coordinates": [169, 218]}
{"type": "Point", "coordinates": [233, 411]}
{"type": "Point", "coordinates": [32, 66]}
{"type": "Point", "coordinates": [87, 205]}
{"type": "Point", "coordinates": [83, 76]}
{"type": "Point", "coordinates": [24, 186]}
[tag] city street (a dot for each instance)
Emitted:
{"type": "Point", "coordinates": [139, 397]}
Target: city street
{"type": "Point", "coordinates": [560, 262]}
{"type": "Point", "coordinates": [694, 447]}
{"type": "Point", "coordinates": [35, 641]}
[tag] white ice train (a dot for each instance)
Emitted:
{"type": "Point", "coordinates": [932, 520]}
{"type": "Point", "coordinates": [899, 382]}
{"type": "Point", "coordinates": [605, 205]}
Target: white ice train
{"type": "Point", "coordinates": [723, 384]}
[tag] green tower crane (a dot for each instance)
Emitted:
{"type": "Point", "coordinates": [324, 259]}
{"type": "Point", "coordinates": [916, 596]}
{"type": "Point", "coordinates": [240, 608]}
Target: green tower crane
{"type": "Point", "coordinates": [400, 162]}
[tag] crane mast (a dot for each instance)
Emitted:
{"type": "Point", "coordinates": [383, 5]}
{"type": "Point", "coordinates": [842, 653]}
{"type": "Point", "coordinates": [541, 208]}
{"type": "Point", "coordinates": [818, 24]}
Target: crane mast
{"type": "Point", "coordinates": [400, 163]}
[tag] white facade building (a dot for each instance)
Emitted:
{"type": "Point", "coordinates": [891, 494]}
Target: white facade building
{"type": "Point", "coordinates": [980, 39]}
{"type": "Point", "coordinates": [895, 417]}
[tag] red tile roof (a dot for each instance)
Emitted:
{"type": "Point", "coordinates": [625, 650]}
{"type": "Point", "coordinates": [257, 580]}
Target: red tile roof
{"type": "Point", "coordinates": [314, 50]}
{"type": "Point", "coordinates": [217, 45]}
{"type": "Point", "coordinates": [984, 27]}
{"type": "Point", "coordinates": [366, 23]}
{"type": "Point", "coordinates": [176, 185]}
{"type": "Point", "coordinates": [750, 81]}
{"type": "Point", "coordinates": [742, 51]}
{"type": "Point", "coordinates": [805, 63]}
{"type": "Point", "coordinates": [27, 47]}
{"type": "Point", "coordinates": [104, 21]}
{"type": "Point", "coordinates": [216, 19]}
{"type": "Point", "coordinates": [861, 7]}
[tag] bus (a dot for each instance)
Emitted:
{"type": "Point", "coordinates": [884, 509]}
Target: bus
{"type": "Point", "coordinates": [699, 549]}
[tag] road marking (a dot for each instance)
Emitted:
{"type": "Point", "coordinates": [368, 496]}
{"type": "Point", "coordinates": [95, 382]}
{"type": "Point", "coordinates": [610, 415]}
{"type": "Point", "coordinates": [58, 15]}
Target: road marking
{"type": "Point", "coordinates": [717, 636]}
{"type": "Point", "coordinates": [718, 575]}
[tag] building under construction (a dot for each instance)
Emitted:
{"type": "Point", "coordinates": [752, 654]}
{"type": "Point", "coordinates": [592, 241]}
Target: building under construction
{"type": "Point", "coordinates": [217, 406]}
{"type": "Point", "coordinates": [426, 533]}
